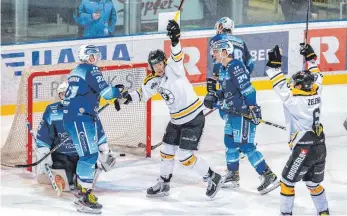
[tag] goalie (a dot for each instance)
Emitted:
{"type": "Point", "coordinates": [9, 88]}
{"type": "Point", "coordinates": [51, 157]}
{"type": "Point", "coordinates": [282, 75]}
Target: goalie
{"type": "Point", "coordinates": [50, 133]}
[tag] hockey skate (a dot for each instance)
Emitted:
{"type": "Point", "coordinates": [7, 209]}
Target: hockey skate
{"type": "Point", "coordinates": [161, 189]}
{"type": "Point", "coordinates": [269, 182]}
{"type": "Point", "coordinates": [215, 181]}
{"type": "Point", "coordinates": [324, 213]}
{"type": "Point", "coordinates": [86, 202]}
{"type": "Point", "coordinates": [231, 180]}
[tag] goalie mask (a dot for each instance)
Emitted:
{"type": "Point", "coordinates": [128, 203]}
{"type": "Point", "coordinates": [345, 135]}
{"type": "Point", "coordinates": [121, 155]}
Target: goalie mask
{"type": "Point", "coordinates": [155, 57]}
{"type": "Point", "coordinates": [304, 78]}
{"type": "Point", "coordinates": [86, 51]}
{"type": "Point", "coordinates": [224, 25]}
{"type": "Point", "coordinates": [61, 90]}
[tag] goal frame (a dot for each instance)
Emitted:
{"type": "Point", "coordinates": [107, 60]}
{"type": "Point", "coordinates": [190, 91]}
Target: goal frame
{"type": "Point", "coordinates": [30, 103]}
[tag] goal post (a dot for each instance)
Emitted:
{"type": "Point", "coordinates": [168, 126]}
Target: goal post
{"type": "Point", "coordinates": [128, 130]}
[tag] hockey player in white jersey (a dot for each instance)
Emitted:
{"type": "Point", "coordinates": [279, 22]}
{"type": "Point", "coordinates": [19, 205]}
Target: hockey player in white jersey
{"type": "Point", "coordinates": [184, 131]}
{"type": "Point", "coordinates": [302, 104]}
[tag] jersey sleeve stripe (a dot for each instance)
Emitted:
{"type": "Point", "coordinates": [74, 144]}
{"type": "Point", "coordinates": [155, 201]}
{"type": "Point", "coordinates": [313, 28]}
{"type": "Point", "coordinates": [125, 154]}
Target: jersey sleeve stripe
{"type": "Point", "coordinates": [277, 78]}
{"type": "Point", "coordinates": [148, 78]}
{"type": "Point", "coordinates": [177, 57]}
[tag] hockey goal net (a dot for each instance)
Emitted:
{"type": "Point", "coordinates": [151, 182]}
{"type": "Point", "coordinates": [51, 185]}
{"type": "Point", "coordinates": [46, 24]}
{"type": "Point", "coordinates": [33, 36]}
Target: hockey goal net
{"type": "Point", "coordinates": [128, 130]}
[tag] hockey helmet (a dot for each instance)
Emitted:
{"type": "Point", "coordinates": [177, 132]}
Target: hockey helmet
{"type": "Point", "coordinates": [223, 45]}
{"type": "Point", "coordinates": [86, 50]}
{"type": "Point", "coordinates": [62, 89]}
{"type": "Point", "coordinates": [156, 56]}
{"type": "Point", "coordinates": [224, 25]}
{"type": "Point", "coordinates": [304, 78]}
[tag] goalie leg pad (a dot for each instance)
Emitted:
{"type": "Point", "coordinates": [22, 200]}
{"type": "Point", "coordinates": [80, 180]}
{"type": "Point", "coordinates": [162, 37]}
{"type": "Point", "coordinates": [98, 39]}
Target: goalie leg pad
{"type": "Point", "coordinates": [66, 162]}
{"type": "Point", "coordinates": [107, 159]}
{"type": "Point", "coordinates": [232, 153]}
{"type": "Point", "coordinates": [191, 161]}
{"type": "Point", "coordinates": [167, 155]}
{"type": "Point", "coordinates": [254, 157]}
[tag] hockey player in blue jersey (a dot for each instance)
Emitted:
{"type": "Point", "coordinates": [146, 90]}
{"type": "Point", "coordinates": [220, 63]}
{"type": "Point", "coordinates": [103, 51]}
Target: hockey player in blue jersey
{"type": "Point", "coordinates": [50, 133]}
{"type": "Point", "coordinates": [237, 94]}
{"type": "Point", "coordinates": [224, 31]}
{"type": "Point", "coordinates": [81, 121]}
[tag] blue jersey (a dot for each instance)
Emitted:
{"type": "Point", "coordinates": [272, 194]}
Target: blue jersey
{"type": "Point", "coordinates": [236, 87]}
{"type": "Point", "coordinates": [241, 51]}
{"type": "Point", "coordinates": [51, 131]}
{"type": "Point", "coordinates": [86, 85]}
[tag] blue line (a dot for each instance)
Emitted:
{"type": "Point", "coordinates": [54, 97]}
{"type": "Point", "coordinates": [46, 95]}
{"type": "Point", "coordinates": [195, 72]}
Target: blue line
{"type": "Point", "coordinates": [18, 73]}
{"type": "Point", "coordinates": [156, 33]}
{"type": "Point", "coordinates": [12, 55]}
{"type": "Point", "coordinates": [15, 64]}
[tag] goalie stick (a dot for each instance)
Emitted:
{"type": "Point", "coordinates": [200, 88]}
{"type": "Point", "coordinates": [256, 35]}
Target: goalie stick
{"type": "Point", "coordinates": [159, 144]}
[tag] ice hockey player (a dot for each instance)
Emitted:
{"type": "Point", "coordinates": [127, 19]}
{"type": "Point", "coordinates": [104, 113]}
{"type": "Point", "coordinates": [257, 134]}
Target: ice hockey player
{"type": "Point", "coordinates": [81, 122]}
{"type": "Point", "coordinates": [50, 133]}
{"type": "Point", "coordinates": [185, 129]}
{"type": "Point", "coordinates": [237, 94]}
{"type": "Point", "coordinates": [224, 31]}
{"type": "Point", "coordinates": [302, 103]}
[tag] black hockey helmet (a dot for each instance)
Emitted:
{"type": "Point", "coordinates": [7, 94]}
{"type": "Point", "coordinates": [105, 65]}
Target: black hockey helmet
{"type": "Point", "coordinates": [304, 78]}
{"type": "Point", "coordinates": [156, 56]}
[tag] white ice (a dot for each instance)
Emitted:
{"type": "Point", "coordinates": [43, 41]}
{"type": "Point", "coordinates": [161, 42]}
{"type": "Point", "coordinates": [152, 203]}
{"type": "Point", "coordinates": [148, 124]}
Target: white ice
{"type": "Point", "coordinates": [122, 191]}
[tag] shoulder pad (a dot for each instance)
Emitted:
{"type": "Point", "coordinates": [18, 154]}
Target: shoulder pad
{"type": "Point", "coordinates": [150, 77]}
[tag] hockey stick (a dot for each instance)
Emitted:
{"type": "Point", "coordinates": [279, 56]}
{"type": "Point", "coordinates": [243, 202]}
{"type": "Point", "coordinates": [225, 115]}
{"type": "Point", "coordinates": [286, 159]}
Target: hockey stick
{"type": "Point", "coordinates": [159, 144]}
{"type": "Point", "coordinates": [50, 152]}
{"type": "Point", "coordinates": [179, 11]}
{"type": "Point", "coordinates": [306, 33]}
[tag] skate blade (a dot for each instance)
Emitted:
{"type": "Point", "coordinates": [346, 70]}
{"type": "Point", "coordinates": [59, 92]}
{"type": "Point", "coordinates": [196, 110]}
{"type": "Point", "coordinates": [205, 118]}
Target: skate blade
{"type": "Point", "coordinates": [219, 185]}
{"type": "Point", "coordinates": [85, 209]}
{"type": "Point", "coordinates": [270, 188]}
{"type": "Point", "coordinates": [158, 195]}
{"type": "Point", "coordinates": [230, 185]}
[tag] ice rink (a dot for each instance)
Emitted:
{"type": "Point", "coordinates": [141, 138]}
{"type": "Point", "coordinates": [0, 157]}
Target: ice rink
{"type": "Point", "coordinates": [122, 190]}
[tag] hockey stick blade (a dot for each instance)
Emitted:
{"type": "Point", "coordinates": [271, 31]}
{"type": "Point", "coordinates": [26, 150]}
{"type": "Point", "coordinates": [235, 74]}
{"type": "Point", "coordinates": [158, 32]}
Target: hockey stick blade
{"type": "Point", "coordinates": [159, 144]}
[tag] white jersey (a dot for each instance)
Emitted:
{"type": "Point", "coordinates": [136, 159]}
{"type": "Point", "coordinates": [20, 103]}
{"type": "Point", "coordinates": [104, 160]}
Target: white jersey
{"type": "Point", "coordinates": [175, 89]}
{"type": "Point", "coordinates": [301, 108]}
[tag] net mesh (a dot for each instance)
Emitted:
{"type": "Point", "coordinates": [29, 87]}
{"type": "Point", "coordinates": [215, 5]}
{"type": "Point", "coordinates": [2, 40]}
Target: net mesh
{"type": "Point", "coordinates": [126, 130]}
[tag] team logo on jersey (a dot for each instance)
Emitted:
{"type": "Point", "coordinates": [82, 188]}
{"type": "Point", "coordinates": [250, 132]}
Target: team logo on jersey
{"type": "Point", "coordinates": [167, 95]}
{"type": "Point", "coordinates": [81, 110]}
{"type": "Point", "coordinates": [154, 85]}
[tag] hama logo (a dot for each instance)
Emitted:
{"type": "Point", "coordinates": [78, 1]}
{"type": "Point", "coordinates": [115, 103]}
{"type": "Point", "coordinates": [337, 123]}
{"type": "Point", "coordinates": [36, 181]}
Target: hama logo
{"type": "Point", "coordinates": [330, 47]}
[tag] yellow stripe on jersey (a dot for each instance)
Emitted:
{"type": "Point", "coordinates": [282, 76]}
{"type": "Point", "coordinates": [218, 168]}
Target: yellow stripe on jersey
{"type": "Point", "coordinates": [277, 78]}
{"type": "Point", "coordinates": [150, 77]}
{"type": "Point", "coordinates": [298, 92]}
{"type": "Point", "coordinates": [177, 57]}
{"type": "Point", "coordinates": [191, 108]}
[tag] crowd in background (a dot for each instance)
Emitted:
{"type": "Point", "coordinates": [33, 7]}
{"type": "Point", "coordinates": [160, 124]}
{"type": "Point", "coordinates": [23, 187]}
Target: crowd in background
{"type": "Point", "coordinates": [38, 20]}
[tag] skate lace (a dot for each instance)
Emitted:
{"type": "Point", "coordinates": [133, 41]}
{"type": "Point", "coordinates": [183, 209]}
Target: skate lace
{"type": "Point", "coordinates": [210, 183]}
{"type": "Point", "coordinates": [158, 185]}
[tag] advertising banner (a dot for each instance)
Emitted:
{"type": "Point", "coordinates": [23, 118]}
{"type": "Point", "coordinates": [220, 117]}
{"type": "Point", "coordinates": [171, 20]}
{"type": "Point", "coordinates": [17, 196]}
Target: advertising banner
{"type": "Point", "coordinates": [330, 47]}
{"type": "Point", "coordinates": [258, 46]}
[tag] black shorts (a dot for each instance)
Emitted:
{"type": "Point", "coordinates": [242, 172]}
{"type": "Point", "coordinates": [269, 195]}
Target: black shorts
{"type": "Point", "coordinates": [306, 163]}
{"type": "Point", "coordinates": [186, 136]}
{"type": "Point", "coordinates": [66, 162]}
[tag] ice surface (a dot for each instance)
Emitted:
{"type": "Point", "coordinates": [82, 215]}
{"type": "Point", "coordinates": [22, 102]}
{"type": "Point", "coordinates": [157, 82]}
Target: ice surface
{"type": "Point", "coordinates": [122, 191]}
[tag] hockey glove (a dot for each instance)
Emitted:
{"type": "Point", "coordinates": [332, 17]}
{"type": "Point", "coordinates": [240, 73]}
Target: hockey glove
{"type": "Point", "coordinates": [41, 152]}
{"type": "Point", "coordinates": [275, 57]}
{"type": "Point", "coordinates": [126, 97]}
{"type": "Point", "coordinates": [107, 158]}
{"type": "Point", "coordinates": [211, 85]}
{"type": "Point", "coordinates": [255, 113]}
{"type": "Point", "coordinates": [173, 31]}
{"type": "Point", "coordinates": [210, 99]}
{"type": "Point", "coordinates": [307, 51]}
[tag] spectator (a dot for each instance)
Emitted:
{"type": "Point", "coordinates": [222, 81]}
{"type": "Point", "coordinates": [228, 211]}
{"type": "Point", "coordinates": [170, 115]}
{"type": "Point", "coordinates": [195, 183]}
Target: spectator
{"type": "Point", "coordinates": [295, 10]}
{"type": "Point", "coordinates": [97, 17]}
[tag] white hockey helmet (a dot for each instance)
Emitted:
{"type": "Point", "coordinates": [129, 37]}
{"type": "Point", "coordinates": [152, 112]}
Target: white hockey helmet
{"type": "Point", "coordinates": [62, 89]}
{"type": "Point", "coordinates": [85, 51]}
{"type": "Point", "coordinates": [224, 25]}
{"type": "Point", "coordinates": [221, 45]}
